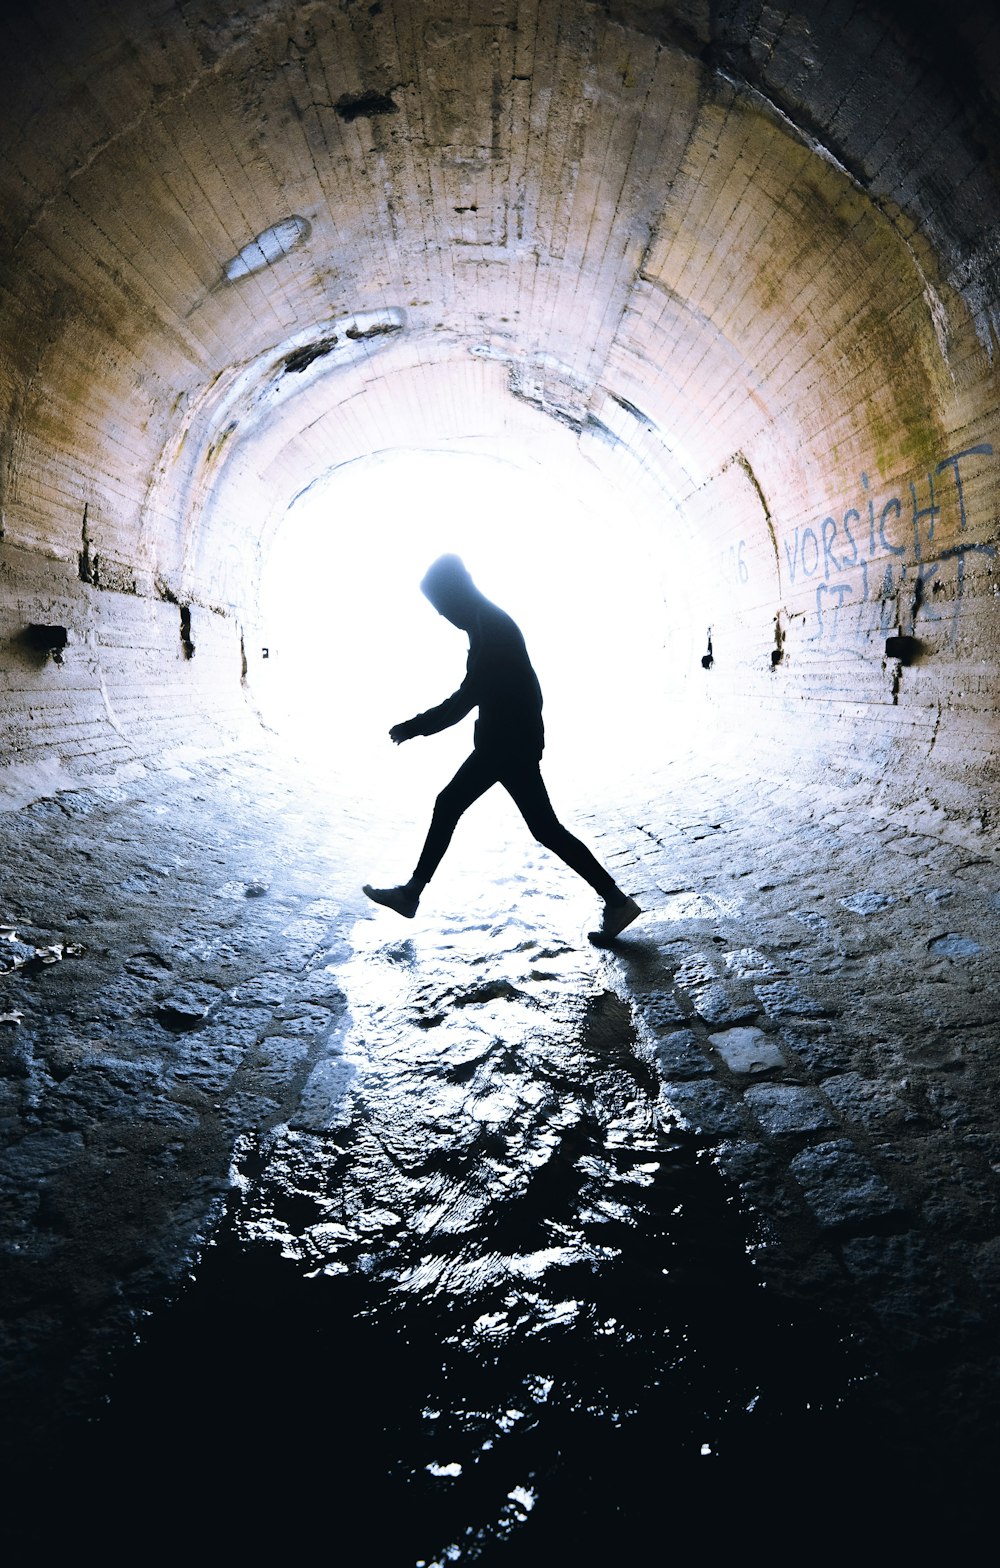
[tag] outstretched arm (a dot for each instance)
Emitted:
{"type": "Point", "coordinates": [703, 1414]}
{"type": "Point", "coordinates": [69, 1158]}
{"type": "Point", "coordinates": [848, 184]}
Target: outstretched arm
{"type": "Point", "coordinates": [442, 717]}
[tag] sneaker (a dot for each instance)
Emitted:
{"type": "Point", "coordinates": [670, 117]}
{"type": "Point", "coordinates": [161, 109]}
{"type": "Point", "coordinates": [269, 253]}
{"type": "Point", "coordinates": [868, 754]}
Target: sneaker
{"type": "Point", "coordinates": [398, 898]}
{"type": "Point", "coordinates": [616, 918]}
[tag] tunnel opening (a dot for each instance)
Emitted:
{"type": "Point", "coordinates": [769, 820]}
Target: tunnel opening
{"type": "Point", "coordinates": [352, 645]}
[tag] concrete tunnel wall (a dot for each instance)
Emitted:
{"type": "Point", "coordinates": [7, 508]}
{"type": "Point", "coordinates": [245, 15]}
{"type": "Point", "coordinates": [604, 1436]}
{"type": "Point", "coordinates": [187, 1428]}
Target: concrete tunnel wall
{"type": "Point", "coordinates": [745, 256]}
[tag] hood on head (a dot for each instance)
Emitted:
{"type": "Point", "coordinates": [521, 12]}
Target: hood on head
{"type": "Point", "coordinates": [450, 589]}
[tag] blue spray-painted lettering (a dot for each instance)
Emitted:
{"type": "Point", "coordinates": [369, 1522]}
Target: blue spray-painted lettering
{"type": "Point", "coordinates": [958, 553]}
{"type": "Point", "coordinates": [810, 533]}
{"type": "Point", "coordinates": [829, 535]}
{"type": "Point", "coordinates": [984, 449]}
{"type": "Point", "coordinates": [894, 505]}
{"type": "Point", "coordinates": [792, 556]}
{"type": "Point", "coordinates": [838, 543]}
{"type": "Point", "coordinates": [852, 511]}
{"type": "Point", "coordinates": [838, 592]}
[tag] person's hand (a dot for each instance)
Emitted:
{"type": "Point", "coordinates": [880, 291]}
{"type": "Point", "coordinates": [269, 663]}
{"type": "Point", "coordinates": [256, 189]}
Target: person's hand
{"type": "Point", "coordinates": [401, 732]}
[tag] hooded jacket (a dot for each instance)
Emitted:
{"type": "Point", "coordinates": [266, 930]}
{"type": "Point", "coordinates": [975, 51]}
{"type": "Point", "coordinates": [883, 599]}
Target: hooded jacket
{"type": "Point", "coordinates": [500, 681]}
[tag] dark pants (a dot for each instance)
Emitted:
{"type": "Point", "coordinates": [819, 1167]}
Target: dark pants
{"type": "Point", "coordinates": [523, 783]}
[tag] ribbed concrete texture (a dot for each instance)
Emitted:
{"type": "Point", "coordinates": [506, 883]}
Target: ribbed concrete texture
{"type": "Point", "coordinates": [736, 264]}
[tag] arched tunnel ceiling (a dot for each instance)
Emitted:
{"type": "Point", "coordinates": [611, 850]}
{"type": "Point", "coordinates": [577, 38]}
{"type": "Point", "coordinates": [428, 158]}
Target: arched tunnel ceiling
{"type": "Point", "coordinates": [746, 253]}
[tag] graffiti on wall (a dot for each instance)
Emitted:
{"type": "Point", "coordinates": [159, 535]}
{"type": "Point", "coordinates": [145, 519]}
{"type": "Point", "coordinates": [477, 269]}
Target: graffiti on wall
{"type": "Point", "coordinates": [866, 552]}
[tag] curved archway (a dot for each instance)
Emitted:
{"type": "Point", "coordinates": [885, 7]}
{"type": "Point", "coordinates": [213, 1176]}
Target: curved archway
{"type": "Point", "coordinates": [242, 252]}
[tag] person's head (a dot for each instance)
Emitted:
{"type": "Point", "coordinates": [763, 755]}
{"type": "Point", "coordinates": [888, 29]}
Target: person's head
{"type": "Point", "coordinates": [450, 590]}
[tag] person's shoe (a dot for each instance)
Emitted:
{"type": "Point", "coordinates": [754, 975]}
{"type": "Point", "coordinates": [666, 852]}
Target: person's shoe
{"type": "Point", "coordinates": [616, 918]}
{"type": "Point", "coordinates": [398, 898]}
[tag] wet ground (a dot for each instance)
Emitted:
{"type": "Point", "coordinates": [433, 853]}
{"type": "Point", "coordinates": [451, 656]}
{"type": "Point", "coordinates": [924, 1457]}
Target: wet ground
{"type": "Point", "coordinates": [470, 1239]}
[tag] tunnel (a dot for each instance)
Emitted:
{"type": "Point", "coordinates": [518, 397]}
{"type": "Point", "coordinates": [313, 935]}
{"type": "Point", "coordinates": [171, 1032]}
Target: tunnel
{"type": "Point", "coordinates": [682, 314]}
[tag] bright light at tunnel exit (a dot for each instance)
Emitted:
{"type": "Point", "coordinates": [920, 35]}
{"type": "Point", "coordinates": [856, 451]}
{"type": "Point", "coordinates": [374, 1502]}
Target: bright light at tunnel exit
{"type": "Point", "coordinates": [353, 646]}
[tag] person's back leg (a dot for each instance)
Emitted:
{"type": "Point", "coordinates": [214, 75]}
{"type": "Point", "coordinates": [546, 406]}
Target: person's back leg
{"type": "Point", "coordinates": [526, 788]}
{"type": "Point", "coordinates": [473, 779]}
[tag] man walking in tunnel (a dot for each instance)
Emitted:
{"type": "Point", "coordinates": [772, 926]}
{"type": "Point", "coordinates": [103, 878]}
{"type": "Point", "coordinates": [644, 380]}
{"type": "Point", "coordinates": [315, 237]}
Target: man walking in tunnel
{"type": "Point", "coordinates": [507, 747]}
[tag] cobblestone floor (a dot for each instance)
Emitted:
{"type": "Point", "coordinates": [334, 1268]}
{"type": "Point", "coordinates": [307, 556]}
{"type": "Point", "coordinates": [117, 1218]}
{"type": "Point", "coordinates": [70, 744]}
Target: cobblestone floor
{"type": "Point", "coordinates": [187, 956]}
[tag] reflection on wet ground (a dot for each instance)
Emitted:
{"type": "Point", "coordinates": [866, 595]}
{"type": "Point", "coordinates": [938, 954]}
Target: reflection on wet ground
{"type": "Point", "coordinates": [480, 1281]}
{"type": "Point", "coordinates": [529, 1246]}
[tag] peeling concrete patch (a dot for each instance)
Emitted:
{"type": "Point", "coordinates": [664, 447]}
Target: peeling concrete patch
{"type": "Point", "coordinates": [266, 248]}
{"type": "Point", "coordinates": [354, 106]}
{"type": "Point", "coordinates": [22, 783]}
{"type": "Point", "coordinates": [301, 358]}
{"type": "Point", "coordinates": [747, 1050]}
{"type": "Point", "coordinates": [952, 945]}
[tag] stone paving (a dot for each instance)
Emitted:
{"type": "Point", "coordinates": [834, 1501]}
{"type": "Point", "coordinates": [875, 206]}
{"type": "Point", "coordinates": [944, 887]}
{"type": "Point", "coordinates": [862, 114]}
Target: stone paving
{"type": "Point", "coordinates": [815, 985]}
{"type": "Point", "coordinates": [811, 981]}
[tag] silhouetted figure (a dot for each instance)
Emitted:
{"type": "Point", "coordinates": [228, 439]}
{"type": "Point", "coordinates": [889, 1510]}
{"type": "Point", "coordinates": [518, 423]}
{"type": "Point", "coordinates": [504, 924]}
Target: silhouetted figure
{"type": "Point", "coordinates": [508, 743]}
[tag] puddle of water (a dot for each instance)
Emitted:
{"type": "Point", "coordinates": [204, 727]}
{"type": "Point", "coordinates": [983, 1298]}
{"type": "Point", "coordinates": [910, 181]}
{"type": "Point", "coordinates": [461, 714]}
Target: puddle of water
{"type": "Point", "coordinates": [535, 1370]}
{"type": "Point", "coordinates": [496, 1305]}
